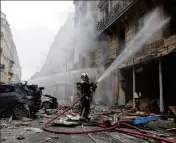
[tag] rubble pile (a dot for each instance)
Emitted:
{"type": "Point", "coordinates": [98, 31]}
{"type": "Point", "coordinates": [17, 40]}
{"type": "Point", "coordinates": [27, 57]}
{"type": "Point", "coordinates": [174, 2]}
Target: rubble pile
{"type": "Point", "coordinates": [99, 115]}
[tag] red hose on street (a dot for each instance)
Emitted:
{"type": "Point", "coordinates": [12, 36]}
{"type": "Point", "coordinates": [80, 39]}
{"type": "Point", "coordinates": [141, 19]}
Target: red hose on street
{"type": "Point", "coordinates": [101, 130]}
{"type": "Point", "coordinates": [68, 133]}
{"type": "Point", "coordinates": [145, 135]}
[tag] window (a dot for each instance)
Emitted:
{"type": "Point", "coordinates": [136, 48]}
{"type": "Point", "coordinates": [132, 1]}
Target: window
{"type": "Point", "coordinates": [121, 39]}
{"type": "Point", "coordinates": [2, 35]}
{"type": "Point", "coordinates": [2, 66]}
{"type": "Point", "coordinates": [7, 89]}
{"type": "Point", "coordinates": [3, 21]}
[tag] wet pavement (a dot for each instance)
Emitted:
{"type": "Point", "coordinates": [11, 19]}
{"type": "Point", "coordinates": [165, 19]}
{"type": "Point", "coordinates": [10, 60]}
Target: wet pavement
{"type": "Point", "coordinates": [10, 134]}
{"type": "Point", "coordinates": [30, 131]}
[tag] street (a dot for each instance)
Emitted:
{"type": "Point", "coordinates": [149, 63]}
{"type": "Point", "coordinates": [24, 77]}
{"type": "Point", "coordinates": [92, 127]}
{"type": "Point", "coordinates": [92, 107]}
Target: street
{"type": "Point", "coordinates": [30, 130]}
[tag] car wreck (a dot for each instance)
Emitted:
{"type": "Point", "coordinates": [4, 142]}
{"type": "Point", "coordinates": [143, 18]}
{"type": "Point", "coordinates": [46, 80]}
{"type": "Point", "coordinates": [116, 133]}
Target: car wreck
{"type": "Point", "coordinates": [20, 100]}
{"type": "Point", "coordinates": [49, 102]}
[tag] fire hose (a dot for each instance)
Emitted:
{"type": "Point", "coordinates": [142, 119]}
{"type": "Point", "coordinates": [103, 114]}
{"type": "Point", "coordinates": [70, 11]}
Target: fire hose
{"type": "Point", "coordinates": [68, 133]}
{"type": "Point", "coordinates": [114, 127]}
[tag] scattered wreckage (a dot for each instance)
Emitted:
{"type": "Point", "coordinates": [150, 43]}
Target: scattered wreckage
{"type": "Point", "coordinates": [49, 102]}
{"type": "Point", "coordinates": [23, 100]}
{"type": "Point", "coordinates": [133, 127]}
{"type": "Point", "coordinates": [20, 100]}
{"type": "Point", "coordinates": [129, 121]}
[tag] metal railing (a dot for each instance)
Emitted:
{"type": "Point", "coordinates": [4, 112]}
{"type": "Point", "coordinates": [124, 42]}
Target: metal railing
{"type": "Point", "coordinates": [113, 14]}
{"type": "Point", "coordinates": [101, 3]}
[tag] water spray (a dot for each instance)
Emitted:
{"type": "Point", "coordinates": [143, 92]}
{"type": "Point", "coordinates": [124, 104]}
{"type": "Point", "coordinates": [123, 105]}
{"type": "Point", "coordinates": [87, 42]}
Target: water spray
{"type": "Point", "coordinates": [153, 23]}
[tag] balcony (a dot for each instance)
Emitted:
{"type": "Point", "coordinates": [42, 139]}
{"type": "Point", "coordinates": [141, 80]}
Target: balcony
{"type": "Point", "coordinates": [113, 15]}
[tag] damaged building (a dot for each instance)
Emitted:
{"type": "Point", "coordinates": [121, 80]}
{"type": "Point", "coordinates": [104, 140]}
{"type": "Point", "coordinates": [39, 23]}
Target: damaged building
{"type": "Point", "coordinates": [150, 73]}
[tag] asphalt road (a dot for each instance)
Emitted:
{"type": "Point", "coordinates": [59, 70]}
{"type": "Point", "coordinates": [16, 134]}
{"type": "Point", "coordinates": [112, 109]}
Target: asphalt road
{"type": "Point", "coordinates": [10, 135]}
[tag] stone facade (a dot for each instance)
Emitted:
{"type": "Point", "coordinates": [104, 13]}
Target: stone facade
{"type": "Point", "coordinates": [118, 22]}
{"type": "Point", "coordinates": [129, 16]}
{"type": "Point", "coordinates": [10, 65]}
{"type": "Point", "coordinates": [84, 26]}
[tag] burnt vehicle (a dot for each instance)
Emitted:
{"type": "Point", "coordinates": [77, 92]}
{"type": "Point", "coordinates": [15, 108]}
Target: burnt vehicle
{"type": "Point", "coordinates": [36, 93]}
{"type": "Point", "coordinates": [20, 100]}
{"type": "Point", "coordinates": [13, 101]}
{"type": "Point", "coordinates": [49, 102]}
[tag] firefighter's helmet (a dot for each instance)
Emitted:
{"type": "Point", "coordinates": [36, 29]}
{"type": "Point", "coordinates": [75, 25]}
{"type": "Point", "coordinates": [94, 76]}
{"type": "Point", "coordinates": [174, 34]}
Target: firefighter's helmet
{"type": "Point", "coordinates": [84, 76]}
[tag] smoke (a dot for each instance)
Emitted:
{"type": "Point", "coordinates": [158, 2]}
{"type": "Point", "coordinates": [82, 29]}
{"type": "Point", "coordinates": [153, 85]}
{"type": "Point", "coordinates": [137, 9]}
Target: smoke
{"type": "Point", "coordinates": [73, 47]}
{"type": "Point", "coordinates": [104, 92]}
{"type": "Point", "coordinates": [154, 22]}
{"type": "Point", "coordinates": [58, 84]}
{"type": "Point", "coordinates": [70, 45]}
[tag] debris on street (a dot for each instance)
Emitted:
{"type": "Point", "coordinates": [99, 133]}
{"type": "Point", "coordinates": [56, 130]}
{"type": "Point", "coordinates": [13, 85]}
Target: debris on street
{"type": "Point", "coordinates": [20, 137]}
{"type": "Point", "coordinates": [140, 120]}
{"type": "Point", "coordinates": [50, 111]}
{"type": "Point", "coordinates": [36, 130]}
{"type": "Point", "coordinates": [99, 116]}
{"type": "Point", "coordinates": [49, 102]}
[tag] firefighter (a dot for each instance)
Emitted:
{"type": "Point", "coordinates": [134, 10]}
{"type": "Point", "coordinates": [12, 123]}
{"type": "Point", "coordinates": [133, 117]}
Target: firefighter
{"type": "Point", "coordinates": [87, 90]}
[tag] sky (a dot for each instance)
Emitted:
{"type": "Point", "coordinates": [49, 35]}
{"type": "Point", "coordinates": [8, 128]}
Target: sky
{"type": "Point", "coordinates": [34, 25]}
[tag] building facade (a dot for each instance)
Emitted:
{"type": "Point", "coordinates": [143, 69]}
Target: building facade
{"type": "Point", "coordinates": [85, 12]}
{"type": "Point", "coordinates": [121, 21]}
{"type": "Point", "coordinates": [10, 66]}
{"type": "Point", "coordinates": [149, 73]}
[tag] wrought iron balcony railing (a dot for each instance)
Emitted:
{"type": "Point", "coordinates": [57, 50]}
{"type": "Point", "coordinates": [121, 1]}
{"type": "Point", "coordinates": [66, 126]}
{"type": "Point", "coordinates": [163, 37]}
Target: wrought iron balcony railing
{"type": "Point", "coordinates": [113, 14]}
{"type": "Point", "coordinates": [101, 3]}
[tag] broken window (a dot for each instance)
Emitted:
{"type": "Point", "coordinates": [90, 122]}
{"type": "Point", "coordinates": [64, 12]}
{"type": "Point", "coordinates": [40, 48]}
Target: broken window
{"type": "Point", "coordinates": [7, 89]}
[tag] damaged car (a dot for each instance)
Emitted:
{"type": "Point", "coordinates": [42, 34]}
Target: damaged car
{"type": "Point", "coordinates": [36, 93]}
{"type": "Point", "coordinates": [13, 101]}
{"type": "Point", "coordinates": [49, 102]}
{"type": "Point", "coordinates": [20, 100]}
